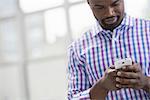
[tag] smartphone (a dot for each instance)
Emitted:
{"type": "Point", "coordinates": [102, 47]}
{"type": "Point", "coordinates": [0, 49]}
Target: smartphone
{"type": "Point", "coordinates": [119, 63]}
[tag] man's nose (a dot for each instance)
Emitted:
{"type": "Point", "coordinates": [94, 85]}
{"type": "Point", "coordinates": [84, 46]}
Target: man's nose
{"type": "Point", "coordinates": [110, 11]}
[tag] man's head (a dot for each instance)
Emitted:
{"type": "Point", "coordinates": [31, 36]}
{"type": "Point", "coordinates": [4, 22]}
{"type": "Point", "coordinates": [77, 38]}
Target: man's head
{"type": "Point", "coordinates": [109, 13]}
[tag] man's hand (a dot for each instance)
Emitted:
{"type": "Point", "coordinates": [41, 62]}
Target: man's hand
{"type": "Point", "coordinates": [109, 79]}
{"type": "Point", "coordinates": [107, 83]}
{"type": "Point", "coordinates": [131, 77]}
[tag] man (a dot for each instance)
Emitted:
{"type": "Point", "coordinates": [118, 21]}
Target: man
{"type": "Point", "coordinates": [91, 72]}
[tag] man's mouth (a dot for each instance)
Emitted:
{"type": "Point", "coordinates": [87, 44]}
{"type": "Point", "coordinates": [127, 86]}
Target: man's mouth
{"type": "Point", "coordinates": [110, 20]}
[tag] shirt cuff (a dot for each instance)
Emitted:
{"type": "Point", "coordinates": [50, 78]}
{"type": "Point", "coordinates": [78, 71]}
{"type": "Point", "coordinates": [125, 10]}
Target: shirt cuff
{"type": "Point", "coordinates": [85, 95]}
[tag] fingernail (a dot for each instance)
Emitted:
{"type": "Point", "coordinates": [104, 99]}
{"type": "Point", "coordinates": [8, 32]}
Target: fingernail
{"type": "Point", "coordinates": [124, 68]}
{"type": "Point", "coordinates": [119, 73]}
{"type": "Point", "coordinates": [117, 79]}
{"type": "Point", "coordinates": [117, 85]}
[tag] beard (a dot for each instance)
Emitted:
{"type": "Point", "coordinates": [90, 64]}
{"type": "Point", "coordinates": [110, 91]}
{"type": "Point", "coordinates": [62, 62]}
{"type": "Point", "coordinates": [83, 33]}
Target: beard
{"type": "Point", "coordinates": [110, 23]}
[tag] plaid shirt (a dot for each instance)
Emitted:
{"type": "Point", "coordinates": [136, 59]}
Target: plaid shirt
{"type": "Point", "coordinates": [96, 50]}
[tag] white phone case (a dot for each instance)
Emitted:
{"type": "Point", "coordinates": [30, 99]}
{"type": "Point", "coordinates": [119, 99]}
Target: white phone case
{"type": "Point", "coordinates": [119, 63]}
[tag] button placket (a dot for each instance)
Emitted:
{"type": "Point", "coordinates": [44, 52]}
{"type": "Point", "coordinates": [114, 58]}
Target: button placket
{"type": "Point", "coordinates": [115, 38]}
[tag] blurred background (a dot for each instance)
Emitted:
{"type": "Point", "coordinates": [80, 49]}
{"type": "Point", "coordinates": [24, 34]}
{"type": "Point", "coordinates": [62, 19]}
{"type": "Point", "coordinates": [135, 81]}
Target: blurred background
{"type": "Point", "coordinates": [34, 35]}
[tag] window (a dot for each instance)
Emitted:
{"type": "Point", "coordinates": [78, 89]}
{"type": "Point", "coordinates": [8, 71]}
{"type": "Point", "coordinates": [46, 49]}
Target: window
{"type": "Point", "coordinates": [72, 1]}
{"type": "Point", "coordinates": [8, 8]}
{"type": "Point", "coordinates": [9, 41]}
{"type": "Point", "coordinates": [81, 18]}
{"type": "Point", "coordinates": [55, 24]}
{"type": "Point", "coordinates": [29, 6]}
{"type": "Point", "coordinates": [48, 25]}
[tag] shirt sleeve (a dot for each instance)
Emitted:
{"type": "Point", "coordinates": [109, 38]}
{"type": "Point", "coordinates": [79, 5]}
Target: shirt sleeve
{"type": "Point", "coordinates": [78, 82]}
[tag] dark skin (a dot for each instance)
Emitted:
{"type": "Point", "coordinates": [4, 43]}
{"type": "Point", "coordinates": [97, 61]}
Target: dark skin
{"type": "Point", "coordinates": [110, 14]}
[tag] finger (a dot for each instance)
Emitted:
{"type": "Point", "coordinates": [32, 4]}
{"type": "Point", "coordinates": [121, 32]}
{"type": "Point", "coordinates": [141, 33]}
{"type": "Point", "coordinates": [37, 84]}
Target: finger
{"type": "Point", "coordinates": [128, 86]}
{"type": "Point", "coordinates": [124, 86]}
{"type": "Point", "coordinates": [118, 87]}
{"type": "Point", "coordinates": [112, 72]}
{"type": "Point", "coordinates": [112, 67]}
{"type": "Point", "coordinates": [124, 81]}
{"type": "Point", "coordinates": [132, 68]}
{"type": "Point", "coordinates": [129, 75]}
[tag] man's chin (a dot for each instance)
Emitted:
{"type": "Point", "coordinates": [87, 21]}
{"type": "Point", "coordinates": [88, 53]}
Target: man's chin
{"type": "Point", "coordinates": [109, 26]}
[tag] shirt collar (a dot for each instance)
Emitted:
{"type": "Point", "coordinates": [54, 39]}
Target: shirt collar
{"type": "Point", "coordinates": [127, 21]}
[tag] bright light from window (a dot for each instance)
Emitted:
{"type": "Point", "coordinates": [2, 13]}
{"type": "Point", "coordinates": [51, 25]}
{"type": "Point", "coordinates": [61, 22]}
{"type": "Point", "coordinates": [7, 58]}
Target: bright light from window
{"type": "Point", "coordinates": [36, 5]}
{"type": "Point", "coordinates": [135, 7]}
{"type": "Point", "coordinates": [8, 8]}
{"type": "Point", "coordinates": [81, 18]}
{"type": "Point", "coordinates": [55, 22]}
{"type": "Point", "coordinates": [75, 0]}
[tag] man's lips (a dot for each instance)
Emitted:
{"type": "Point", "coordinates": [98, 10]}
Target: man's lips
{"type": "Point", "coordinates": [110, 20]}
